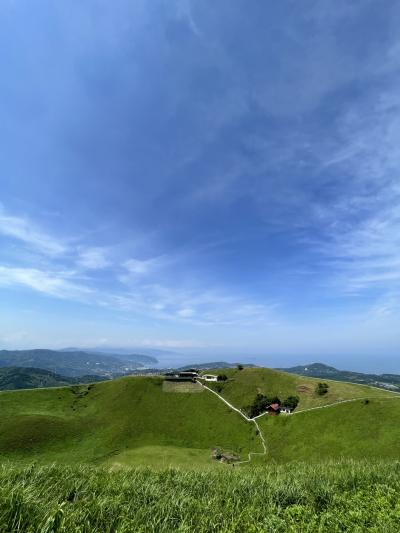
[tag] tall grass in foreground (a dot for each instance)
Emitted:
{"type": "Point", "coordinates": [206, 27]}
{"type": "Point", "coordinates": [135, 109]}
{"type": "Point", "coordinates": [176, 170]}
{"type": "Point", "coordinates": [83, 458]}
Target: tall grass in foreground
{"type": "Point", "coordinates": [342, 496]}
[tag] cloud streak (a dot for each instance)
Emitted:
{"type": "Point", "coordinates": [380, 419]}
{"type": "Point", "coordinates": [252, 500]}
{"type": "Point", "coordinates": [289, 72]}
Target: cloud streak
{"type": "Point", "coordinates": [56, 284]}
{"type": "Point", "coordinates": [23, 230]}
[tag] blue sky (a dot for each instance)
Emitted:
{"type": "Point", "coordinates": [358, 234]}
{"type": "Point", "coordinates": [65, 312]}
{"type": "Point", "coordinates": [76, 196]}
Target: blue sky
{"type": "Point", "coordinates": [219, 178]}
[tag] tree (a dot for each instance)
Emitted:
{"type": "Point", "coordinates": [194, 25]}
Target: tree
{"type": "Point", "coordinates": [260, 404]}
{"type": "Point", "coordinates": [222, 377]}
{"type": "Point", "coordinates": [240, 367]}
{"type": "Point", "coordinates": [321, 389]}
{"type": "Point", "coordinates": [291, 402]}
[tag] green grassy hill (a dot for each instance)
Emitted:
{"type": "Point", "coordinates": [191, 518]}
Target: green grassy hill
{"type": "Point", "coordinates": [350, 430]}
{"type": "Point", "coordinates": [126, 421]}
{"type": "Point", "coordinates": [243, 385]}
{"type": "Point", "coordinates": [138, 421]}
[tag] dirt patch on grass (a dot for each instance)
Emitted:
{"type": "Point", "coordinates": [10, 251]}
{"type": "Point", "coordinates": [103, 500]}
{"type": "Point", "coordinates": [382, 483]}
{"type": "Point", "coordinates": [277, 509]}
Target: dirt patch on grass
{"type": "Point", "coordinates": [304, 389]}
{"type": "Point", "coordinates": [188, 387]}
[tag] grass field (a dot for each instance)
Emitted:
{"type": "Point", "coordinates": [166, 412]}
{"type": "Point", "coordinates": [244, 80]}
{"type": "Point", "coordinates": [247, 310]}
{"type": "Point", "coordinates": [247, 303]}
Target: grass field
{"type": "Point", "coordinates": [100, 436]}
{"type": "Point", "coordinates": [173, 386]}
{"type": "Point", "coordinates": [353, 429]}
{"type": "Point", "coordinates": [242, 386]}
{"type": "Point", "coordinates": [104, 422]}
{"type": "Point", "coordinates": [333, 497]}
{"type": "Point", "coordinates": [141, 421]}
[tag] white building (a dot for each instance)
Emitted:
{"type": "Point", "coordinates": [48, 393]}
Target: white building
{"type": "Point", "coordinates": [210, 377]}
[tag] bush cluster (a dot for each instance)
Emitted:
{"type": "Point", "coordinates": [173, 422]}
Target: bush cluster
{"type": "Point", "coordinates": [261, 403]}
{"type": "Point", "coordinates": [321, 389]}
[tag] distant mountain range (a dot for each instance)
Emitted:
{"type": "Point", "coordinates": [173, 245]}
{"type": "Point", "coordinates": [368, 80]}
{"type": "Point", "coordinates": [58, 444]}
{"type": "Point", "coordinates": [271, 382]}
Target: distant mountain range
{"type": "Point", "coordinates": [320, 370]}
{"type": "Point", "coordinates": [76, 363]}
{"type": "Point", "coordinates": [123, 355]}
{"type": "Point", "coordinates": [13, 378]}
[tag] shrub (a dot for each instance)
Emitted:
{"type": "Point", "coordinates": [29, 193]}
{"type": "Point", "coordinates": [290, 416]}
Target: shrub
{"type": "Point", "coordinates": [321, 389]}
{"type": "Point", "coordinates": [291, 402]}
{"type": "Point", "coordinates": [222, 377]}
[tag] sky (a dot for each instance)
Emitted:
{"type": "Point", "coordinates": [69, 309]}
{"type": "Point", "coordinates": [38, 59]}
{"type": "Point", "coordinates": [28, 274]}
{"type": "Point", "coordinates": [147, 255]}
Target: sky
{"type": "Point", "coordinates": [210, 178]}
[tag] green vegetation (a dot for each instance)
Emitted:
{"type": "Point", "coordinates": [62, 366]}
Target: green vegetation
{"type": "Point", "coordinates": [291, 402]}
{"type": "Point", "coordinates": [110, 422]}
{"type": "Point", "coordinates": [326, 483]}
{"type": "Point", "coordinates": [182, 386]}
{"type": "Point", "coordinates": [14, 378]}
{"type": "Point", "coordinates": [142, 420]}
{"type": "Point", "coordinates": [349, 430]}
{"type": "Point", "coordinates": [260, 405]}
{"type": "Point", "coordinates": [321, 389]}
{"type": "Point", "coordinates": [242, 386]}
{"type": "Point", "coordinates": [334, 497]}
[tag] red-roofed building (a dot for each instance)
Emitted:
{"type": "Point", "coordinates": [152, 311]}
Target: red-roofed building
{"type": "Point", "coordinates": [274, 409]}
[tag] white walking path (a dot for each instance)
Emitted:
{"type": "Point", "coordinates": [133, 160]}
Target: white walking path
{"type": "Point", "coordinates": [346, 401]}
{"type": "Point", "coordinates": [259, 432]}
{"type": "Point", "coordinates": [254, 420]}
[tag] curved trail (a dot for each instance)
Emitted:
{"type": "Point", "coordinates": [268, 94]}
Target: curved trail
{"type": "Point", "coordinates": [345, 401]}
{"type": "Point", "coordinates": [253, 420]}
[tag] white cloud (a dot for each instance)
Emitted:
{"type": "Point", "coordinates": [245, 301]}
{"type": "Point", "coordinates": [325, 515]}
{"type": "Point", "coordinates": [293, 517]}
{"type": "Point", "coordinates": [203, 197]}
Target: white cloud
{"type": "Point", "coordinates": [24, 230]}
{"type": "Point", "coordinates": [142, 266]}
{"type": "Point", "coordinates": [186, 312]}
{"type": "Point", "coordinates": [53, 284]}
{"type": "Point", "coordinates": [362, 227]}
{"type": "Point", "coordinates": [94, 258]}
{"type": "Point", "coordinates": [152, 288]}
{"type": "Point", "coordinates": [195, 306]}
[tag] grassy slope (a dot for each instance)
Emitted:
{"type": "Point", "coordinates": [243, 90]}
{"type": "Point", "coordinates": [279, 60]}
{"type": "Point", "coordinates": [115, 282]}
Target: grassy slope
{"type": "Point", "coordinates": [243, 385]}
{"type": "Point", "coordinates": [102, 422]}
{"type": "Point", "coordinates": [348, 430]}
{"type": "Point", "coordinates": [330, 498]}
{"type": "Point", "coordinates": [131, 421]}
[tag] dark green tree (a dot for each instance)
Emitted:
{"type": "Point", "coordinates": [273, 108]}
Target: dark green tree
{"type": "Point", "coordinates": [260, 404]}
{"type": "Point", "coordinates": [321, 389]}
{"type": "Point", "coordinates": [291, 402]}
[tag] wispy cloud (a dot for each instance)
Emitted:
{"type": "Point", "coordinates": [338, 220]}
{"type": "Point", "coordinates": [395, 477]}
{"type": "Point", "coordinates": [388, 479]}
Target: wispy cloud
{"type": "Point", "coordinates": [141, 266]}
{"type": "Point", "coordinates": [362, 226]}
{"type": "Point", "coordinates": [151, 287]}
{"type": "Point", "coordinates": [93, 258]}
{"type": "Point", "coordinates": [56, 284]}
{"type": "Point", "coordinates": [24, 230]}
{"type": "Point", "coordinates": [195, 306]}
